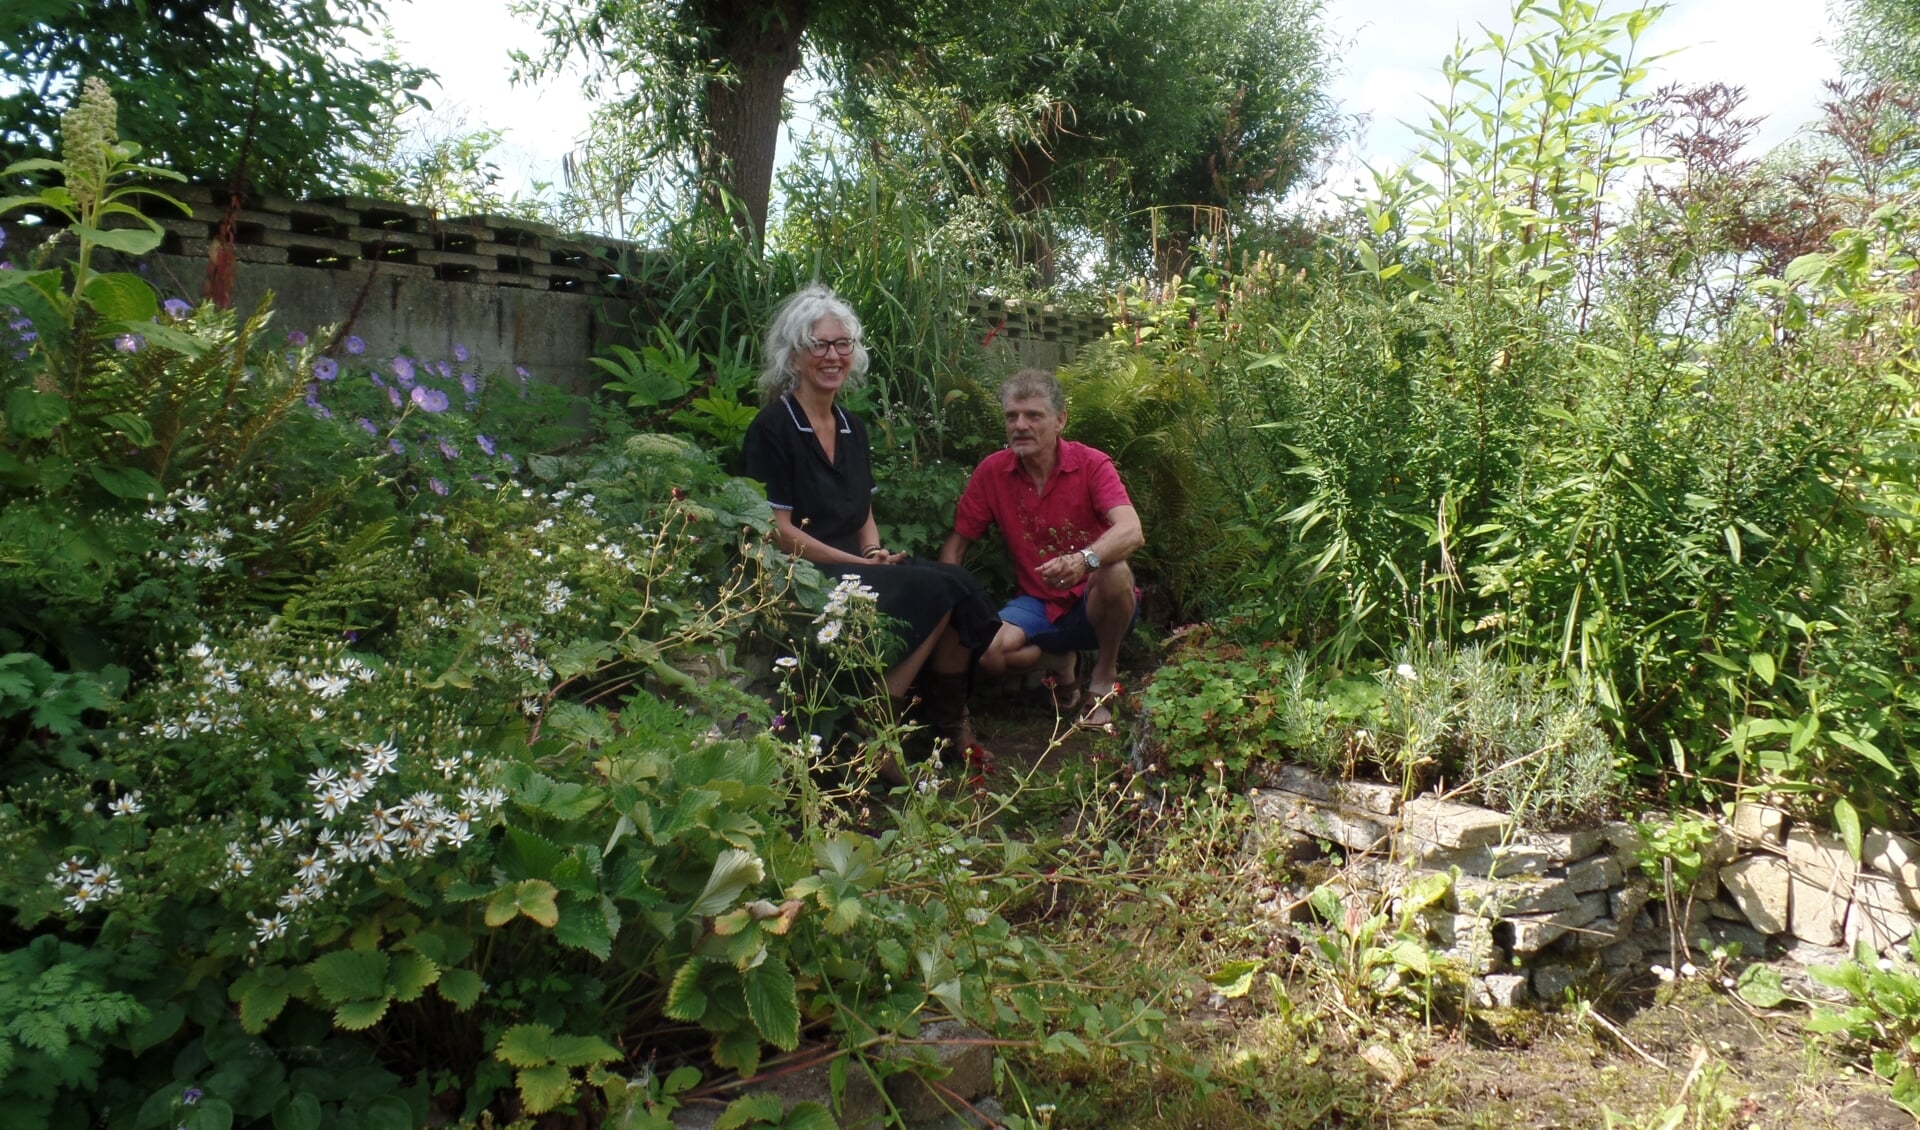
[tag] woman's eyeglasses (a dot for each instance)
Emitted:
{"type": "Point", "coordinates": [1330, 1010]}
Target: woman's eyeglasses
{"type": "Point", "coordinates": [841, 345]}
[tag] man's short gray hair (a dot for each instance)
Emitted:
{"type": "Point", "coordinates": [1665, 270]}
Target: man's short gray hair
{"type": "Point", "coordinates": [792, 328]}
{"type": "Point", "coordinates": [1033, 382]}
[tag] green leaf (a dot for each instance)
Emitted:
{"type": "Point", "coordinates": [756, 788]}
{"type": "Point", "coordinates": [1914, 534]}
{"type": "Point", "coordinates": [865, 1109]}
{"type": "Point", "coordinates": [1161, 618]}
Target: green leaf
{"type": "Point", "coordinates": [126, 482]}
{"type": "Point", "coordinates": [531, 897]}
{"type": "Point", "coordinates": [525, 1045]}
{"type": "Point", "coordinates": [582, 1051]}
{"type": "Point", "coordinates": [772, 1004]}
{"type": "Point", "coordinates": [120, 297]}
{"type": "Point", "coordinates": [733, 871]}
{"type": "Point", "coordinates": [127, 241]}
{"type": "Point", "coordinates": [1235, 978]}
{"type": "Point", "coordinates": [1863, 747]}
{"type": "Point", "coordinates": [261, 999]}
{"type": "Point", "coordinates": [584, 926]}
{"type": "Point", "coordinates": [410, 976]}
{"type": "Point", "coordinates": [460, 987]}
{"type": "Point", "coordinates": [680, 1079]}
{"type": "Point", "coordinates": [35, 415]}
{"type": "Point", "coordinates": [358, 1016]}
{"type": "Point", "coordinates": [388, 1112]}
{"type": "Point", "coordinates": [543, 1088]}
{"type": "Point", "coordinates": [1761, 986]}
{"type": "Point", "coordinates": [1847, 821]}
{"type": "Point", "coordinates": [350, 975]}
{"type": "Point", "coordinates": [131, 426]}
{"type": "Point", "coordinates": [298, 1111]}
{"type": "Point", "coordinates": [1762, 664]}
{"type": "Point", "coordinates": [748, 1109]}
{"type": "Point", "coordinates": [809, 1116]}
{"type": "Point", "coordinates": [686, 1000]}
{"type": "Point", "coordinates": [209, 1114]}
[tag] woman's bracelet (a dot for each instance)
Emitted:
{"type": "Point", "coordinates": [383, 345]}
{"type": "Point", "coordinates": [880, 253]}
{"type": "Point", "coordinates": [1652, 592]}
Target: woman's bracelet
{"type": "Point", "coordinates": [872, 551]}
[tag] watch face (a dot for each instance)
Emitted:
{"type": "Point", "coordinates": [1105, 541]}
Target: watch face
{"type": "Point", "coordinates": [1091, 558]}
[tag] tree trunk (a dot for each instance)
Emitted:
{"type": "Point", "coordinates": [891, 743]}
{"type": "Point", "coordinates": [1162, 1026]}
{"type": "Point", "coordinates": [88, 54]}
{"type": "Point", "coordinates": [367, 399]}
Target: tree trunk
{"type": "Point", "coordinates": [1030, 186]}
{"type": "Point", "coordinates": [761, 43]}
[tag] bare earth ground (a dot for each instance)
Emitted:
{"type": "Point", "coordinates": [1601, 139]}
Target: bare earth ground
{"type": "Point", "coordinates": [1652, 1046]}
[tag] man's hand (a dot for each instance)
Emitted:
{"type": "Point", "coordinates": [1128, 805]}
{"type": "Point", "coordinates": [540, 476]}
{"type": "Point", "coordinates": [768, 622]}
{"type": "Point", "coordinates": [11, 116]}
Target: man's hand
{"type": "Point", "coordinates": [1063, 572]}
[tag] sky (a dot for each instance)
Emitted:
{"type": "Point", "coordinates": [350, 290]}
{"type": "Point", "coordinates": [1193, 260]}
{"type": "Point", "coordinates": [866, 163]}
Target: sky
{"type": "Point", "coordinates": [1387, 52]}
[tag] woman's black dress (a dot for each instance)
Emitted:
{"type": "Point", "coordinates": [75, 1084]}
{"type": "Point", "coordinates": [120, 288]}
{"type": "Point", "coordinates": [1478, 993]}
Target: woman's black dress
{"type": "Point", "coordinates": [830, 500]}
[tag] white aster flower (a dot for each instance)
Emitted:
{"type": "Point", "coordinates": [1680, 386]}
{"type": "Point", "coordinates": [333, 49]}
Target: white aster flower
{"type": "Point", "coordinates": [829, 631]}
{"type": "Point", "coordinates": [126, 804]}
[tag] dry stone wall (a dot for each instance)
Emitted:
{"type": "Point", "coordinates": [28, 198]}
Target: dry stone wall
{"type": "Point", "coordinates": [1530, 914]}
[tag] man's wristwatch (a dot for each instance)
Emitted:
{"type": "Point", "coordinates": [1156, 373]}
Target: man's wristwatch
{"type": "Point", "coordinates": [1091, 558]}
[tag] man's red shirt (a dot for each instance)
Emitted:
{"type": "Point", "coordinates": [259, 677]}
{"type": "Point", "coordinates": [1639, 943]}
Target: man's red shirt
{"type": "Point", "coordinates": [1039, 525]}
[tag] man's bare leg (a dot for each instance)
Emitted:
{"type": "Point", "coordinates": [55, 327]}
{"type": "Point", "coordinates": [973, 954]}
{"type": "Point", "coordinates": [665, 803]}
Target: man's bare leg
{"type": "Point", "coordinates": [1110, 604]}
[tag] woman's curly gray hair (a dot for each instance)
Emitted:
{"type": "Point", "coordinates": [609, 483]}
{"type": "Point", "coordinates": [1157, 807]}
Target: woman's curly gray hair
{"type": "Point", "coordinates": [792, 329]}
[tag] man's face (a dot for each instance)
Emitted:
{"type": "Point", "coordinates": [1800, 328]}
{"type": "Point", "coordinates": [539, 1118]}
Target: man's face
{"type": "Point", "coordinates": [1033, 427]}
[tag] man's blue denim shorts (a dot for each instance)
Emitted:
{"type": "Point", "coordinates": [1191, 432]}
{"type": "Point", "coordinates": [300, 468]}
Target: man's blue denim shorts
{"type": "Point", "coordinates": [1071, 632]}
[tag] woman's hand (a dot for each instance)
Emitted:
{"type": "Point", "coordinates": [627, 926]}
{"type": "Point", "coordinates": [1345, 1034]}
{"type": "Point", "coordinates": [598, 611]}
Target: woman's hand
{"type": "Point", "coordinates": [879, 556]}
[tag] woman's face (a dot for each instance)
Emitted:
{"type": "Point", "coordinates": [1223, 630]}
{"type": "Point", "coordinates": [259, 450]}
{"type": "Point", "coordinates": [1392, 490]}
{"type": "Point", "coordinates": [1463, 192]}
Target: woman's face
{"type": "Point", "coordinates": [824, 370]}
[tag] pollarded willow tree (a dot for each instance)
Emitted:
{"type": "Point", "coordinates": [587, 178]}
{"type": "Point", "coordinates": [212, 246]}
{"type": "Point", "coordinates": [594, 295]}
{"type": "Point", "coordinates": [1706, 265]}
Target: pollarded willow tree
{"type": "Point", "coordinates": [698, 86]}
{"type": "Point", "coordinates": [1149, 123]}
{"type": "Point", "coordinates": [198, 79]}
{"type": "Point", "coordinates": [1114, 113]}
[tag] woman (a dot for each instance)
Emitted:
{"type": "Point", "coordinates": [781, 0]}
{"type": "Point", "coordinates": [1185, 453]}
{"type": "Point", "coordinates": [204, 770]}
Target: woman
{"type": "Point", "coordinates": [813, 457]}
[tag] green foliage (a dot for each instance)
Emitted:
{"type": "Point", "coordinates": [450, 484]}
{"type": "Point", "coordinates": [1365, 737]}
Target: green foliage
{"type": "Point", "coordinates": [61, 1012]}
{"type": "Point", "coordinates": [1377, 958]}
{"type": "Point", "coordinates": [1673, 851]}
{"type": "Point", "coordinates": [197, 78]}
{"type": "Point", "coordinates": [1221, 704]}
{"type": "Point", "coordinates": [1882, 1017]}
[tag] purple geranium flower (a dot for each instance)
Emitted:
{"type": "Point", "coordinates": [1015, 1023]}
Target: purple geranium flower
{"type": "Point", "coordinates": [396, 447]}
{"type": "Point", "coordinates": [296, 339]}
{"type": "Point", "coordinates": [437, 486]}
{"type": "Point", "coordinates": [326, 368]}
{"type": "Point", "coordinates": [130, 343]}
{"type": "Point", "coordinates": [368, 426]}
{"type": "Point", "coordinates": [393, 396]}
{"type": "Point", "coordinates": [177, 308]}
{"type": "Point", "coordinates": [445, 370]}
{"type": "Point", "coordinates": [486, 444]}
{"type": "Point", "coordinates": [355, 344]}
{"type": "Point", "coordinates": [509, 461]}
{"type": "Point", "coordinates": [470, 384]}
{"type": "Point", "coordinates": [403, 371]}
{"type": "Point", "coordinates": [521, 372]}
{"type": "Point", "coordinates": [459, 352]}
{"type": "Point", "coordinates": [448, 451]}
{"type": "Point", "coordinates": [430, 399]}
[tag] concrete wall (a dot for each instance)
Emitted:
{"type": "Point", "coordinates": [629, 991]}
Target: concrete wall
{"type": "Point", "coordinates": [513, 292]}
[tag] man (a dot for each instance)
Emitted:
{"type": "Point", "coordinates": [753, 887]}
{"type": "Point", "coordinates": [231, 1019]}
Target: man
{"type": "Point", "coordinates": [1069, 527]}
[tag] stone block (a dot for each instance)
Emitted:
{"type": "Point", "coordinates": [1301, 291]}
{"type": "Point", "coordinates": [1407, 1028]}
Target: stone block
{"type": "Point", "coordinates": [1499, 990]}
{"type": "Point", "coordinates": [1355, 831]}
{"type": "Point", "coordinates": [1596, 935]}
{"type": "Point", "coordinates": [1466, 940]}
{"type": "Point", "coordinates": [1720, 932]}
{"type": "Point", "coordinates": [1568, 847]}
{"type": "Point", "coordinates": [1626, 954]}
{"type": "Point", "coordinates": [863, 1108]}
{"type": "Point", "coordinates": [964, 1068]}
{"type": "Point", "coordinates": [1451, 825]}
{"type": "Point", "coordinates": [1626, 902]}
{"type": "Point", "coordinates": [1724, 909]}
{"type": "Point", "coordinates": [1898, 858]}
{"type": "Point", "coordinates": [1550, 982]}
{"type": "Point", "coordinates": [1376, 797]}
{"type": "Point", "coordinates": [1760, 886]}
{"type": "Point", "coordinates": [1878, 915]}
{"type": "Point", "coordinates": [1501, 897]}
{"type": "Point", "coordinates": [1823, 876]}
{"type": "Point", "coordinates": [1760, 825]}
{"type": "Point", "coordinates": [1595, 873]}
{"type": "Point", "coordinates": [1535, 932]}
{"type": "Point", "coordinates": [1626, 840]}
{"type": "Point", "coordinates": [1498, 861]}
